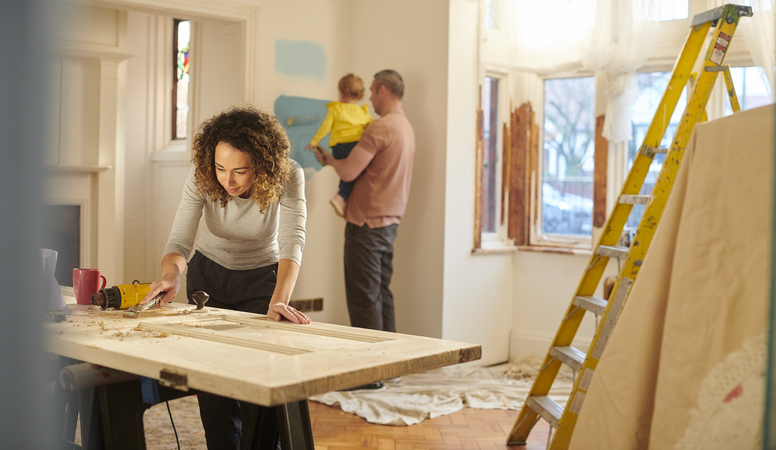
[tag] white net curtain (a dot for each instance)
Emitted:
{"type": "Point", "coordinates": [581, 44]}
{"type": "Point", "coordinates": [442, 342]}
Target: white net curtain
{"type": "Point", "coordinates": [612, 38]}
{"type": "Point", "coordinates": [760, 33]}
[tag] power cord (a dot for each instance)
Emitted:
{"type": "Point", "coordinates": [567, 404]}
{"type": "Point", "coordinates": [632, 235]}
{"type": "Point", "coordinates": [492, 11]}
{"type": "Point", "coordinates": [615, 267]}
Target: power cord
{"type": "Point", "coordinates": [173, 426]}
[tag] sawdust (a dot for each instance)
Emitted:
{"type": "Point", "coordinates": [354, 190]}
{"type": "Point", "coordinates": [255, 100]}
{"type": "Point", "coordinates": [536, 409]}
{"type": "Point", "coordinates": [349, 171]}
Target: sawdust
{"type": "Point", "coordinates": [120, 335]}
{"type": "Point", "coordinates": [157, 334]}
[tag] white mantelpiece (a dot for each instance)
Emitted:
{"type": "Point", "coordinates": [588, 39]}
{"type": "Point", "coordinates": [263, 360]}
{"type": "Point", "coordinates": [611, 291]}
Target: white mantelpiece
{"type": "Point", "coordinates": [86, 151]}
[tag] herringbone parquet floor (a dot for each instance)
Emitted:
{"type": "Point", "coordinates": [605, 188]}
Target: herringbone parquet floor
{"type": "Point", "coordinates": [468, 428]}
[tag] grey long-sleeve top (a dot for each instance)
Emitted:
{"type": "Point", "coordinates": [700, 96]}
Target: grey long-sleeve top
{"type": "Point", "coordinates": [239, 236]}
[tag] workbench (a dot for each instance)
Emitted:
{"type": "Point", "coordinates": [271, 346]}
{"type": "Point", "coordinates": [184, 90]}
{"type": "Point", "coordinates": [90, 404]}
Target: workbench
{"type": "Point", "coordinates": [234, 354]}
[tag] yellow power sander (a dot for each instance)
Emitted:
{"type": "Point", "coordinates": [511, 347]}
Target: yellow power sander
{"type": "Point", "coordinates": [129, 296]}
{"type": "Point", "coordinates": [126, 296]}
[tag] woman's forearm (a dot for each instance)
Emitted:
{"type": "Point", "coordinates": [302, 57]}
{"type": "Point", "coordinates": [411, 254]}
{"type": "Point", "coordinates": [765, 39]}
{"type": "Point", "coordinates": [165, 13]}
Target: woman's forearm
{"type": "Point", "coordinates": [173, 263]}
{"type": "Point", "coordinates": [288, 271]}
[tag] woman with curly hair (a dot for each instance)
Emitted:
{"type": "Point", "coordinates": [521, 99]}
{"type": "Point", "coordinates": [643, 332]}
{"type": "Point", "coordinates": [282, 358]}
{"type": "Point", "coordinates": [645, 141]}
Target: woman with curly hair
{"type": "Point", "coordinates": [248, 253]}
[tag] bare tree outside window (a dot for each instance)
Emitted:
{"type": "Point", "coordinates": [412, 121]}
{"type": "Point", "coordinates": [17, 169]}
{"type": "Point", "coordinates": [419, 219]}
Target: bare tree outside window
{"type": "Point", "coordinates": [569, 134]}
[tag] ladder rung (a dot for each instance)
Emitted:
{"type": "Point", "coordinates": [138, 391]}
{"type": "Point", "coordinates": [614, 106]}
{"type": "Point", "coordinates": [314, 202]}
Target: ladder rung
{"type": "Point", "coordinates": [722, 68]}
{"type": "Point", "coordinates": [547, 408]}
{"type": "Point", "coordinates": [569, 356]}
{"type": "Point", "coordinates": [649, 151]}
{"type": "Point", "coordinates": [590, 303]}
{"type": "Point", "coordinates": [612, 251]}
{"type": "Point", "coordinates": [635, 199]}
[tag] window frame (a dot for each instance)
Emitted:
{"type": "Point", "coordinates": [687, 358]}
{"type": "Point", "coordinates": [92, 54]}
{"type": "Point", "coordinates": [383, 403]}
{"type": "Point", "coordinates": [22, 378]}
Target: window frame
{"type": "Point", "coordinates": [166, 148]}
{"type": "Point", "coordinates": [174, 97]}
{"type": "Point", "coordinates": [537, 237]}
{"type": "Point", "coordinates": [498, 240]}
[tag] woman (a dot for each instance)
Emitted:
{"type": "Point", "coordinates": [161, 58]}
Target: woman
{"type": "Point", "coordinates": [249, 252]}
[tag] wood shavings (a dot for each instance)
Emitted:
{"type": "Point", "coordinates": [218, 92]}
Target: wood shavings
{"type": "Point", "coordinates": [121, 335]}
{"type": "Point", "coordinates": [157, 334]}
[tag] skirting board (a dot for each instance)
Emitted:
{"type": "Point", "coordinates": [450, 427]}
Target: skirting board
{"type": "Point", "coordinates": [524, 344]}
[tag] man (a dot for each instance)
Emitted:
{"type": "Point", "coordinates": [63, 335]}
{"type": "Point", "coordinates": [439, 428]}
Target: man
{"type": "Point", "coordinates": [381, 166]}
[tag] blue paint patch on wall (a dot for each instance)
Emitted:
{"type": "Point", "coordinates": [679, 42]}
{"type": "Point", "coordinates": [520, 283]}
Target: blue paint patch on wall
{"type": "Point", "coordinates": [300, 59]}
{"type": "Point", "coordinates": [306, 116]}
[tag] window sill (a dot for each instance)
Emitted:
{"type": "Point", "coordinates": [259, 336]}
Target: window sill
{"type": "Point", "coordinates": [494, 246]}
{"type": "Point", "coordinates": [177, 151]}
{"type": "Point", "coordinates": [559, 250]}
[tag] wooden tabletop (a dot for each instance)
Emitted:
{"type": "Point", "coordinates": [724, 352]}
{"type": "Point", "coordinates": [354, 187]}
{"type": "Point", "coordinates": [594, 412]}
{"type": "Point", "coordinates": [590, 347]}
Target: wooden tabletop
{"type": "Point", "coordinates": [245, 356]}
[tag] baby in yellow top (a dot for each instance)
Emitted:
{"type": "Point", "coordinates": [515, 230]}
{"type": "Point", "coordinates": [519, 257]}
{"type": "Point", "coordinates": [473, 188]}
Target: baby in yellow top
{"type": "Point", "coordinates": [345, 120]}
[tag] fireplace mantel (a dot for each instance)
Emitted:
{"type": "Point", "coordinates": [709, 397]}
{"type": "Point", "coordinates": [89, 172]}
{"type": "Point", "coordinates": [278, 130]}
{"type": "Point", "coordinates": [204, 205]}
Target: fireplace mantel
{"type": "Point", "coordinates": [70, 168]}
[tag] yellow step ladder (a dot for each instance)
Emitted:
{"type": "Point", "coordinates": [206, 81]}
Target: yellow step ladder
{"type": "Point", "coordinates": [538, 404]}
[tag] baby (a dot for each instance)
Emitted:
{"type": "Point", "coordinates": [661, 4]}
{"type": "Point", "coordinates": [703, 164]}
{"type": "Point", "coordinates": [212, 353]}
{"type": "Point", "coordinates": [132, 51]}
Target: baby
{"type": "Point", "coordinates": [345, 120]}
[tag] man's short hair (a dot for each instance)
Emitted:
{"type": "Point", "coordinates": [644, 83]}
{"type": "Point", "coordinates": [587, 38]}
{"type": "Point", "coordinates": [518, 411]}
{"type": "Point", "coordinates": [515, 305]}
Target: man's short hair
{"type": "Point", "coordinates": [392, 81]}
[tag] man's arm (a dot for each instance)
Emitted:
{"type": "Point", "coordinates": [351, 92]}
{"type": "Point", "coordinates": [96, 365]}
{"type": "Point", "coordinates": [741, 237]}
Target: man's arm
{"type": "Point", "coordinates": [349, 168]}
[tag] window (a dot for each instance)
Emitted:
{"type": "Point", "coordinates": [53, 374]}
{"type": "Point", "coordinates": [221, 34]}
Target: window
{"type": "Point", "coordinates": [673, 9]}
{"type": "Point", "coordinates": [652, 85]}
{"type": "Point", "coordinates": [751, 93]}
{"type": "Point", "coordinates": [180, 90]}
{"type": "Point", "coordinates": [490, 232]}
{"type": "Point", "coordinates": [750, 89]}
{"type": "Point", "coordinates": [567, 160]}
{"type": "Point", "coordinates": [562, 176]}
{"type": "Point", "coordinates": [489, 153]}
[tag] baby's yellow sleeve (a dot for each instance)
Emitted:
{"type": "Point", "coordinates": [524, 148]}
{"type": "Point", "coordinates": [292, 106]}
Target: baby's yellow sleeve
{"type": "Point", "coordinates": [325, 127]}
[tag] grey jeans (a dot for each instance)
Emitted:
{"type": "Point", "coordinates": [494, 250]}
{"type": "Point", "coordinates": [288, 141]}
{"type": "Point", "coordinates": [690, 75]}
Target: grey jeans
{"type": "Point", "coordinates": [368, 270]}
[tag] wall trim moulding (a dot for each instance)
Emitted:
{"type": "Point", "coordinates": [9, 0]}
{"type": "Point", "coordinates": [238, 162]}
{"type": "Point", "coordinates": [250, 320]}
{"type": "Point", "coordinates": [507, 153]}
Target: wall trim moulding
{"type": "Point", "coordinates": [83, 51]}
{"type": "Point", "coordinates": [78, 169]}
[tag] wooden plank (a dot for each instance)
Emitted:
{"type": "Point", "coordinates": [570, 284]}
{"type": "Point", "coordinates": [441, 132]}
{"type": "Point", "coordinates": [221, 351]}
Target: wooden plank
{"type": "Point", "coordinates": [533, 175]}
{"type": "Point", "coordinates": [245, 356]}
{"type": "Point", "coordinates": [506, 161]}
{"type": "Point", "coordinates": [600, 157]}
{"type": "Point", "coordinates": [518, 189]}
{"type": "Point", "coordinates": [478, 165]}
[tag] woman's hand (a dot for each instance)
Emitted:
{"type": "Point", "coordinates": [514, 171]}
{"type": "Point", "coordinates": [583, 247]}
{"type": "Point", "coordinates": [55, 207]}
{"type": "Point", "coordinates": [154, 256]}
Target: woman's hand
{"type": "Point", "coordinates": [170, 281]}
{"type": "Point", "coordinates": [279, 310]}
{"type": "Point", "coordinates": [288, 271]}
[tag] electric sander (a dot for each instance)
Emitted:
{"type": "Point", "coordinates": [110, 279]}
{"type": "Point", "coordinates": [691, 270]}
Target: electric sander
{"type": "Point", "coordinates": [129, 296]}
{"type": "Point", "coordinates": [121, 296]}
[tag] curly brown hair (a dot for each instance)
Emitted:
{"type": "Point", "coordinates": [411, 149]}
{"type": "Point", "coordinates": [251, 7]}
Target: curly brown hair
{"type": "Point", "coordinates": [255, 132]}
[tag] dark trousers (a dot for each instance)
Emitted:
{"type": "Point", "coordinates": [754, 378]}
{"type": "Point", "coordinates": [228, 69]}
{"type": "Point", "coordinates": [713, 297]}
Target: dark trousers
{"type": "Point", "coordinates": [368, 270]}
{"type": "Point", "coordinates": [341, 151]}
{"type": "Point", "coordinates": [239, 290]}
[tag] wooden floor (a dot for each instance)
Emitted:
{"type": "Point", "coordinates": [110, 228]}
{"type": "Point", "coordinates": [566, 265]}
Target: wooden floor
{"type": "Point", "coordinates": [483, 429]}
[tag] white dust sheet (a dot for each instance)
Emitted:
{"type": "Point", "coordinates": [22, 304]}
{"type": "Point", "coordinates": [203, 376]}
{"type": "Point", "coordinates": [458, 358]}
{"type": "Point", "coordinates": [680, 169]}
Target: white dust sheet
{"type": "Point", "coordinates": [427, 395]}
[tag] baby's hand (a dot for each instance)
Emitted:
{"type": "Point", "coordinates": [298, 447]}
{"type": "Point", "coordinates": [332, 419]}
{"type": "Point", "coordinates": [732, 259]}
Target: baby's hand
{"type": "Point", "coordinates": [309, 147]}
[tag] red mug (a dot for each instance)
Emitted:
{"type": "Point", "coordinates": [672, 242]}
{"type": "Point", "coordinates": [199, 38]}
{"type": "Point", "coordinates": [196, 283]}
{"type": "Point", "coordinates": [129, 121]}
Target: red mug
{"type": "Point", "coordinates": [85, 283]}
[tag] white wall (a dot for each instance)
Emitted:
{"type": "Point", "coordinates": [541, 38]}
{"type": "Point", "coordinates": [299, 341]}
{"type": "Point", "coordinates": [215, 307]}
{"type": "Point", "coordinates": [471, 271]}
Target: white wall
{"type": "Point", "coordinates": [478, 291]}
{"type": "Point", "coordinates": [411, 38]}
{"type": "Point", "coordinates": [544, 285]}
